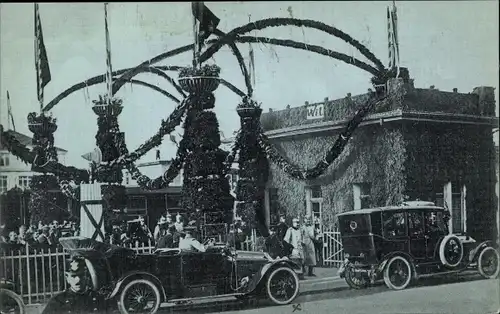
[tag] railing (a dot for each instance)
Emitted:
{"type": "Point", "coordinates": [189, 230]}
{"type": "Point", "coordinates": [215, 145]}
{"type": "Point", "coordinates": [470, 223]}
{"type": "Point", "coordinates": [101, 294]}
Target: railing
{"type": "Point", "coordinates": [39, 273]}
{"type": "Point", "coordinates": [333, 253]}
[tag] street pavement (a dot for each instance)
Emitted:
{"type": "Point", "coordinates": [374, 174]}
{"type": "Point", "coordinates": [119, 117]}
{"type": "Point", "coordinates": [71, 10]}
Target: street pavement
{"type": "Point", "coordinates": [329, 294]}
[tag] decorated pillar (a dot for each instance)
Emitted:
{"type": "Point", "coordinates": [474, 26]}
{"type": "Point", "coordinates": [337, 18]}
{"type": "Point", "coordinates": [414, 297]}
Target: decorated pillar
{"type": "Point", "coordinates": [110, 142]}
{"type": "Point", "coordinates": [253, 168]}
{"type": "Point", "coordinates": [42, 203]}
{"type": "Point", "coordinates": [205, 192]}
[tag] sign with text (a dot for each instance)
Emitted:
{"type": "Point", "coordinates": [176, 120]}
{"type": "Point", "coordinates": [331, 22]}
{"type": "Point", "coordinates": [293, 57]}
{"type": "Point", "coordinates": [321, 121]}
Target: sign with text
{"type": "Point", "coordinates": [316, 111]}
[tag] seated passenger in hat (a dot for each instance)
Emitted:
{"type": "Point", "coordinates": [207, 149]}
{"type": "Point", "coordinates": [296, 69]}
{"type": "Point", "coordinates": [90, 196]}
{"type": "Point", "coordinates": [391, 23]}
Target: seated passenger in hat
{"type": "Point", "coordinates": [79, 297]}
{"type": "Point", "coordinates": [188, 243]}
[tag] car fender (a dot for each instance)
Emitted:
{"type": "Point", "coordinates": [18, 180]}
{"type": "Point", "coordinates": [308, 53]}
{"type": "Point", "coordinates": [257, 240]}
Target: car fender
{"type": "Point", "coordinates": [475, 252]}
{"type": "Point", "coordinates": [257, 278]}
{"type": "Point", "coordinates": [141, 275]}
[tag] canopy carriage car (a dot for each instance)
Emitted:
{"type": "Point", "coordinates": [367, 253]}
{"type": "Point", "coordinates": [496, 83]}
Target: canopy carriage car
{"type": "Point", "coordinates": [141, 282]}
{"type": "Point", "coordinates": [407, 242]}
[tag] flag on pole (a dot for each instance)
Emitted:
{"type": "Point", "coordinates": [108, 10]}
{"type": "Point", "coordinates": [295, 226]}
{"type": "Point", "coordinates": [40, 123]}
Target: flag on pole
{"type": "Point", "coordinates": [208, 21]}
{"type": "Point", "coordinates": [9, 113]}
{"type": "Point", "coordinates": [109, 67]}
{"type": "Point", "coordinates": [394, 17]}
{"type": "Point", "coordinates": [43, 76]}
{"type": "Point", "coordinates": [392, 36]}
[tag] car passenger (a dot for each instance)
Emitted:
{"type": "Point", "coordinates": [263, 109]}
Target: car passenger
{"type": "Point", "coordinates": [188, 243]}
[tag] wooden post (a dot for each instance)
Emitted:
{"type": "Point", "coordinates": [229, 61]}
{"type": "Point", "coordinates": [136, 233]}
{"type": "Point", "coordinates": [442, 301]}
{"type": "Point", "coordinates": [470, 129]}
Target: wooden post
{"type": "Point", "coordinates": [91, 212]}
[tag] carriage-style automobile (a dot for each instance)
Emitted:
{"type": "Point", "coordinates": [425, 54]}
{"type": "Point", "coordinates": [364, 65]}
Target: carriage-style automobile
{"type": "Point", "coordinates": [407, 242]}
{"type": "Point", "coordinates": [141, 282]}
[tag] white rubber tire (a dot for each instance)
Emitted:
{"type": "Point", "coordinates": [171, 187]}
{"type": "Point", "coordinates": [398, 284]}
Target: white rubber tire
{"type": "Point", "coordinates": [387, 277]}
{"type": "Point", "coordinates": [156, 291]}
{"type": "Point", "coordinates": [15, 297]}
{"type": "Point", "coordinates": [480, 268]}
{"type": "Point", "coordinates": [268, 288]}
{"type": "Point", "coordinates": [442, 256]}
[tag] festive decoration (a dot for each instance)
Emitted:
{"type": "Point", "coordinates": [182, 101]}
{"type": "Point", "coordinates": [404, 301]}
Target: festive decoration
{"type": "Point", "coordinates": [43, 203]}
{"type": "Point", "coordinates": [336, 149]}
{"type": "Point", "coordinates": [205, 188]}
{"type": "Point", "coordinates": [253, 168]}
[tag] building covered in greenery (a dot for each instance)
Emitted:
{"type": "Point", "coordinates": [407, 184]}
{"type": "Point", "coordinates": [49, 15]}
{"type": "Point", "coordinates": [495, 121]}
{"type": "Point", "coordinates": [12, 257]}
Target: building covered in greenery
{"type": "Point", "coordinates": [428, 145]}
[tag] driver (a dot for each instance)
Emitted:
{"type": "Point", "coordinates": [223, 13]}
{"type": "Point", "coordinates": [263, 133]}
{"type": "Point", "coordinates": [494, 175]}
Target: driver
{"type": "Point", "coordinates": [78, 298]}
{"type": "Point", "coordinates": [188, 243]}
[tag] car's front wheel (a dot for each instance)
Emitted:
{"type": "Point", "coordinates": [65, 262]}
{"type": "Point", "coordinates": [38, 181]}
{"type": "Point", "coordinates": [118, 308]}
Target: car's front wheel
{"type": "Point", "coordinates": [10, 302]}
{"type": "Point", "coordinates": [282, 286]}
{"type": "Point", "coordinates": [139, 296]}
{"type": "Point", "coordinates": [488, 263]}
{"type": "Point", "coordinates": [398, 273]}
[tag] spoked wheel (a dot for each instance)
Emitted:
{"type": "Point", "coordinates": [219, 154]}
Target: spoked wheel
{"type": "Point", "coordinates": [139, 296]}
{"type": "Point", "coordinates": [488, 263]}
{"type": "Point", "coordinates": [451, 251]}
{"type": "Point", "coordinates": [355, 280]}
{"type": "Point", "coordinates": [282, 286]}
{"type": "Point", "coordinates": [11, 302]}
{"type": "Point", "coordinates": [398, 273]}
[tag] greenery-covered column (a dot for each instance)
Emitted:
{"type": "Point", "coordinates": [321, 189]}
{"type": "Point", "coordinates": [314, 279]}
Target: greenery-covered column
{"type": "Point", "coordinates": [205, 192]}
{"type": "Point", "coordinates": [253, 168]}
{"type": "Point", "coordinates": [110, 141]}
{"type": "Point", "coordinates": [42, 204]}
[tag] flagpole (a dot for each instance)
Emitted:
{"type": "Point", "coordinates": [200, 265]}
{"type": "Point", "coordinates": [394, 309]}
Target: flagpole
{"type": "Point", "coordinates": [109, 67]}
{"type": "Point", "coordinates": [196, 47]}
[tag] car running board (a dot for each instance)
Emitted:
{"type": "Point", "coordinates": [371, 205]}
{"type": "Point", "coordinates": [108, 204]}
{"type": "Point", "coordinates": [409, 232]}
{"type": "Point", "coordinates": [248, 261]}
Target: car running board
{"type": "Point", "coordinates": [443, 273]}
{"type": "Point", "coordinates": [220, 296]}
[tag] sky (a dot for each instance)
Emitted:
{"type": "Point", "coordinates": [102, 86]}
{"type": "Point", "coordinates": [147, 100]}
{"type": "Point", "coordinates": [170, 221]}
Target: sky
{"type": "Point", "coordinates": [443, 43]}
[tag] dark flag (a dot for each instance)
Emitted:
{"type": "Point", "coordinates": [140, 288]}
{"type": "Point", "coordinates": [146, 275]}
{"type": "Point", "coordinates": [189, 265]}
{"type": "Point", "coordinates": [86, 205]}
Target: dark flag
{"type": "Point", "coordinates": [208, 21]}
{"type": "Point", "coordinates": [43, 76]}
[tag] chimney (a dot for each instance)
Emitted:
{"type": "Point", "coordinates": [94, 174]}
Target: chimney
{"type": "Point", "coordinates": [348, 95]}
{"type": "Point", "coordinates": [432, 87]}
{"type": "Point", "coordinates": [486, 102]}
{"type": "Point", "coordinates": [307, 103]}
{"type": "Point", "coordinates": [455, 90]}
{"type": "Point", "coordinates": [287, 106]}
{"type": "Point", "coordinates": [270, 109]}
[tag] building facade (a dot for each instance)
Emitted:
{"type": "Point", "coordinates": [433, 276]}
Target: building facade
{"type": "Point", "coordinates": [427, 145]}
{"type": "Point", "coordinates": [13, 171]}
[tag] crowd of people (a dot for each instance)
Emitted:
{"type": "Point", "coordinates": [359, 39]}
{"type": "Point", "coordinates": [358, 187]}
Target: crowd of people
{"type": "Point", "coordinates": [41, 236]}
{"type": "Point", "coordinates": [299, 243]}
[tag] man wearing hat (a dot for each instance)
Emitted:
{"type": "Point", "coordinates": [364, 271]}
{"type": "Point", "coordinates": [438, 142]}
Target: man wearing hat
{"type": "Point", "coordinates": [160, 228]}
{"type": "Point", "coordinates": [188, 243]}
{"type": "Point", "coordinates": [78, 298]}
{"type": "Point", "coordinates": [293, 237]}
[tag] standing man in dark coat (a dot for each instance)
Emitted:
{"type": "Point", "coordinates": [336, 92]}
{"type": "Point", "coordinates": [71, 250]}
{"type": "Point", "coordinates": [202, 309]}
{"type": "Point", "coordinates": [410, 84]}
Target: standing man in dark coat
{"type": "Point", "coordinates": [78, 298]}
{"type": "Point", "coordinates": [282, 227]}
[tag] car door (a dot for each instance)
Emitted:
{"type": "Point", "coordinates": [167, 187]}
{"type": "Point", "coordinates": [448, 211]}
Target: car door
{"type": "Point", "coordinates": [418, 238]}
{"type": "Point", "coordinates": [435, 230]}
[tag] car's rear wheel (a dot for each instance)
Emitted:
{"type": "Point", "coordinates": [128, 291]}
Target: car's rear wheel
{"type": "Point", "coordinates": [355, 280]}
{"type": "Point", "coordinates": [488, 263]}
{"type": "Point", "coordinates": [139, 296]}
{"type": "Point", "coordinates": [398, 273]}
{"type": "Point", "coordinates": [282, 286]}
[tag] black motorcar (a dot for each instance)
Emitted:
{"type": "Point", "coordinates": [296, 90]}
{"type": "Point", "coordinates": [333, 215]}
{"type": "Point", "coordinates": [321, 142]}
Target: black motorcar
{"type": "Point", "coordinates": [141, 282]}
{"type": "Point", "coordinates": [407, 242]}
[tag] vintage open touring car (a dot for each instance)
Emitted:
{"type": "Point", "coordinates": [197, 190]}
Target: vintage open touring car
{"type": "Point", "coordinates": [403, 243]}
{"type": "Point", "coordinates": [141, 282]}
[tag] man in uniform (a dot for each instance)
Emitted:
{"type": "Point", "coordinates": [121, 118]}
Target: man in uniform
{"type": "Point", "coordinates": [78, 298]}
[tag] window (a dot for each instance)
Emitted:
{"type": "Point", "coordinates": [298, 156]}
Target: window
{"type": "Point", "coordinates": [394, 224]}
{"type": "Point", "coordinates": [314, 202]}
{"type": "Point", "coordinates": [415, 223]}
{"type": "Point", "coordinates": [316, 191]}
{"type": "Point", "coordinates": [434, 223]}
{"type": "Point", "coordinates": [453, 198]}
{"type": "Point", "coordinates": [3, 184]}
{"type": "Point", "coordinates": [24, 182]}
{"type": "Point", "coordinates": [362, 195]}
{"type": "Point", "coordinates": [4, 160]}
